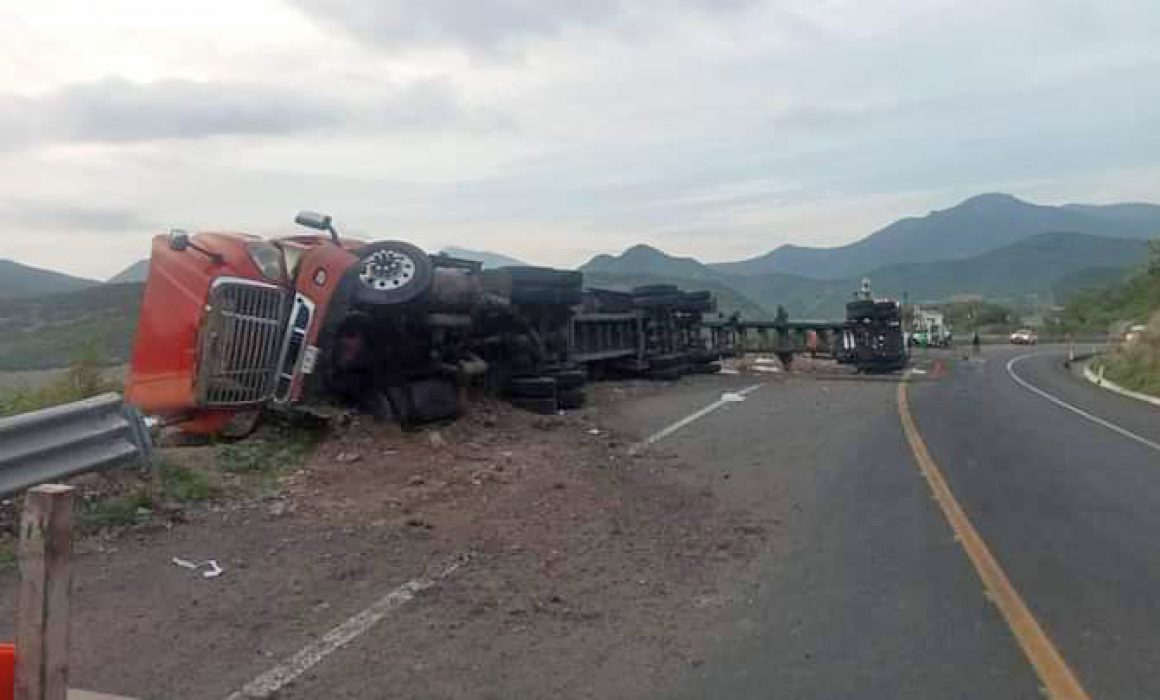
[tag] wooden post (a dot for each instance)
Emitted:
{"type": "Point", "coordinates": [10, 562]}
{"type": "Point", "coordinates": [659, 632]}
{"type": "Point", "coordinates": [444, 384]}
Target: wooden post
{"type": "Point", "coordinates": [42, 629]}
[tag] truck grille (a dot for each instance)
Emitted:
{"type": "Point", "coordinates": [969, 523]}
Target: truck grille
{"type": "Point", "coordinates": [241, 342]}
{"type": "Point", "coordinates": [295, 341]}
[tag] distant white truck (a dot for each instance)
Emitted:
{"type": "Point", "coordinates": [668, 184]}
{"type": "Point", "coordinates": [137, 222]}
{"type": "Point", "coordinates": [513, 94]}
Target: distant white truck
{"type": "Point", "coordinates": [929, 329]}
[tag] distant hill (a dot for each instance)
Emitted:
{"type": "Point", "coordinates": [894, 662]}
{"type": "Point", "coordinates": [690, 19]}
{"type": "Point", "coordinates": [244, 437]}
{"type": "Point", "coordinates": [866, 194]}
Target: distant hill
{"type": "Point", "coordinates": [17, 280]}
{"type": "Point", "coordinates": [1029, 268]}
{"type": "Point", "coordinates": [973, 227]}
{"type": "Point", "coordinates": [646, 260]}
{"type": "Point", "coordinates": [137, 272]}
{"type": "Point", "coordinates": [52, 330]}
{"type": "Point", "coordinates": [488, 258]}
{"type": "Point", "coordinates": [1041, 268]}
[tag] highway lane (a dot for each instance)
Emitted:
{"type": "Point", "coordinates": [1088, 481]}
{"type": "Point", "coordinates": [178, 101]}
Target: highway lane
{"type": "Point", "coordinates": [864, 592]}
{"type": "Point", "coordinates": [1070, 508]}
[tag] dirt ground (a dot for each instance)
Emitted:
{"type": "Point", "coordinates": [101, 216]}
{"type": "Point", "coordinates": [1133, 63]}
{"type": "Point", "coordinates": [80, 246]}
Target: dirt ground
{"type": "Point", "coordinates": [585, 570]}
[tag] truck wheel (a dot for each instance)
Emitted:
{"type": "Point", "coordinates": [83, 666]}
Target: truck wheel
{"type": "Point", "coordinates": [390, 272]}
{"type": "Point", "coordinates": [543, 407]}
{"type": "Point", "coordinates": [532, 387]}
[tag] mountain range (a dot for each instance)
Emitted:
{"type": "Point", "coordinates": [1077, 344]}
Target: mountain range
{"type": "Point", "coordinates": [978, 225]}
{"type": "Point", "coordinates": [993, 245]}
{"type": "Point", "coordinates": [18, 280]}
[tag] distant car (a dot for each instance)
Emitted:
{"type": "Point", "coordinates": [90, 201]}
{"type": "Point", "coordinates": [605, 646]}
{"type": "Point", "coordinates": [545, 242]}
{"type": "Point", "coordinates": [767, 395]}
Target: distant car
{"type": "Point", "coordinates": [1024, 336]}
{"type": "Point", "coordinates": [1134, 333]}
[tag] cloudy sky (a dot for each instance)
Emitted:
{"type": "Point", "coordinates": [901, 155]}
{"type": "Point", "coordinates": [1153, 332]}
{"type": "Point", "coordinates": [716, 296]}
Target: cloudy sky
{"type": "Point", "coordinates": [555, 129]}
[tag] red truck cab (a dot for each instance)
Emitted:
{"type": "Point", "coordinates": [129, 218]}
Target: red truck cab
{"type": "Point", "coordinates": [230, 323]}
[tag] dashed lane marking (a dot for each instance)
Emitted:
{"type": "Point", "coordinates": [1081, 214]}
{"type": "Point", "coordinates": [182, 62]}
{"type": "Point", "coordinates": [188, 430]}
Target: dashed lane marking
{"type": "Point", "coordinates": [278, 677]}
{"type": "Point", "coordinates": [726, 398]}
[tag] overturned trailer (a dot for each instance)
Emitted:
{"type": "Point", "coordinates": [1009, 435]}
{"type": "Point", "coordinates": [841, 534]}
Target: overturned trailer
{"type": "Point", "coordinates": [655, 331]}
{"type": "Point", "coordinates": [232, 325]}
{"type": "Point", "coordinates": [872, 339]}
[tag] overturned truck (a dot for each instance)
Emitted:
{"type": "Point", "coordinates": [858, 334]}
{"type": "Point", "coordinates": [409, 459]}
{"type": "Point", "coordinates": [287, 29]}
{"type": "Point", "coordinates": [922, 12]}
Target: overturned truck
{"type": "Point", "coordinates": [232, 325]}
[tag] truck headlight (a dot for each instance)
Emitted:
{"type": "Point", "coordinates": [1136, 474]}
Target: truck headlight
{"type": "Point", "coordinates": [268, 259]}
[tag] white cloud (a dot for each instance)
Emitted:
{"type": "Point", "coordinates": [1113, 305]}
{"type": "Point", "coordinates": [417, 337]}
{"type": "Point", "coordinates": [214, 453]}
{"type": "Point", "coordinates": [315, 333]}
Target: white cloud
{"type": "Point", "coordinates": [553, 130]}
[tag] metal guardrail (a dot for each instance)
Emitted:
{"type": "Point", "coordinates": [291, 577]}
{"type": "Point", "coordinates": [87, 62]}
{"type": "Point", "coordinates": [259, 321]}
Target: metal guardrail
{"type": "Point", "coordinates": [69, 439]}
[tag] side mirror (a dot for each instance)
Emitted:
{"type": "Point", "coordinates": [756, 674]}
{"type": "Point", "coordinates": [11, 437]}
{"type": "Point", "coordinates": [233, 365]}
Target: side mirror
{"type": "Point", "coordinates": [312, 219]}
{"type": "Point", "coordinates": [178, 240]}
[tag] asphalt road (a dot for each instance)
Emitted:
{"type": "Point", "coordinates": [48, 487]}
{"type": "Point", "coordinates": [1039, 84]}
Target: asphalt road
{"type": "Point", "coordinates": [867, 592]}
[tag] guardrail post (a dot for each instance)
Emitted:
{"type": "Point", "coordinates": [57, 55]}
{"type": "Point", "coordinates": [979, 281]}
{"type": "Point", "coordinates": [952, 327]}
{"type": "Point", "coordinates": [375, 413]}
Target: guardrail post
{"type": "Point", "coordinates": [42, 628]}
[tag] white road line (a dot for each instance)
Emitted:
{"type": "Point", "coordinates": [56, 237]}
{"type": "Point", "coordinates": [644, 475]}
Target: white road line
{"type": "Point", "coordinates": [309, 656]}
{"type": "Point", "coordinates": [670, 429]}
{"type": "Point", "coordinates": [1078, 411]}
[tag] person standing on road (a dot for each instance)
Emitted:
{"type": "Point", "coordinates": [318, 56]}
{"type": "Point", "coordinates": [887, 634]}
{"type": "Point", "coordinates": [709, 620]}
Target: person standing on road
{"type": "Point", "coordinates": [976, 344]}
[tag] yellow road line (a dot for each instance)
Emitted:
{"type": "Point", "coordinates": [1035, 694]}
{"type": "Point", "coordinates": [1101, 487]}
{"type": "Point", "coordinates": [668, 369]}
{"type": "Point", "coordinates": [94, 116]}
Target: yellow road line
{"type": "Point", "coordinates": [1056, 676]}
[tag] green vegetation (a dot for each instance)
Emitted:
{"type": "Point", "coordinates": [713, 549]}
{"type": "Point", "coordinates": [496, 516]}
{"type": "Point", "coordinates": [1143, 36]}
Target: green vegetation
{"type": "Point", "coordinates": [117, 511]}
{"type": "Point", "coordinates": [1137, 366]}
{"type": "Point", "coordinates": [185, 485]}
{"type": "Point", "coordinates": [239, 469]}
{"type": "Point", "coordinates": [85, 378]}
{"type": "Point", "coordinates": [167, 483]}
{"type": "Point", "coordinates": [273, 455]}
{"type": "Point", "coordinates": [1111, 309]}
{"type": "Point", "coordinates": [1134, 365]}
{"type": "Point", "coordinates": [965, 317]}
{"type": "Point", "coordinates": [45, 332]}
{"type": "Point", "coordinates": [8, 558]}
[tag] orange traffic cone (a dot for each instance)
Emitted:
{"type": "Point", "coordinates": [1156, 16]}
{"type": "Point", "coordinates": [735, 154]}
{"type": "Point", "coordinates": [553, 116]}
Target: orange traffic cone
{"type": "Point", "coordinates": [7, 671]}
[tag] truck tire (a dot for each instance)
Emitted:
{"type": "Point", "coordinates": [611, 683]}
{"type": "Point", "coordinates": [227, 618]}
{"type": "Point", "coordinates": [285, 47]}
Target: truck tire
{"type": "Point", "coordinates": [655, 289]}
{"type": "Point", "coordinates": [570, 399]}
{"type": "Point", "coordinates": [671, 360]}
{"type": "Point", "coordinates": [667, 375]}
{"type": "Point", "coordinates": [532, 387]}
{"type": "Point", "coordinates": [389, 273]}
{"type": "Point", "coordinates": [705, 368]}
{"type": "Point", "coordinates": [545, 296]}
{"type": "Point", "coordinates": [569, 379]}
{"type": "Point", "coordinates": [654, 301]}
{"type": "Point", "coordinates": [543, 407]}
{"type": "Point", "coordinates": [425, 401]}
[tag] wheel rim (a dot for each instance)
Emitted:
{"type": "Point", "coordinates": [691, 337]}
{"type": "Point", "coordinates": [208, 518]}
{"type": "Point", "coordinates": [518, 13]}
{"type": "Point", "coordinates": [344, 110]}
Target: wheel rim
{"type": "Point", "coordinates": [385, 270]}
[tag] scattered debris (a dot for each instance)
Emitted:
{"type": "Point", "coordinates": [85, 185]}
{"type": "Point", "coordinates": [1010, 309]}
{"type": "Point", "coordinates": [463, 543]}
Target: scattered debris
{"type": "Point", "coordinates": [594, 431]}
{"type": "Point", "coordinates": [728, 370]}
{"type": "Point", "coordinates": [212, 570]}
{"type": "Point", "coordinates": [436, 439]}
{"type": "Point", "coordinates": [280, 509]}
{"type": "Point", "coordinates": [730, 397]}
{"type": "Point", "coordinates": [347, 457]}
